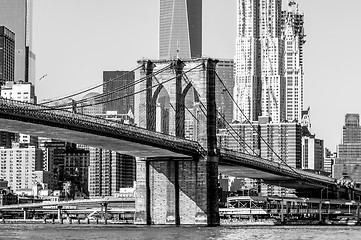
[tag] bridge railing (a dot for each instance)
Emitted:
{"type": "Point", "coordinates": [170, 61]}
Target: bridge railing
{"type": "Point", "coordinates": [264, 163]}
{"type": "Point", "coordinates": [49, 113]}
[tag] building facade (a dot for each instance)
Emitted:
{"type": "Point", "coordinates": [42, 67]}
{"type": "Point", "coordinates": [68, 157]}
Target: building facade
{"type": "Point", "coordinates": [7, 55]}
{"type": "Point", "coordinates": [76, 165]}
{"type": "Point", "coordinates": [269, 61]}
{"type": "Point", "coordinates": [351, 138]}
{"type": "Point", "coordinates": [225, 71]}
{"type": "Point", "coordinates": [20, 91]}
{"type": "Point", "coordinates": [18, 166]}
{"type": "Point", "coordinates": [16, 15]}
{"type": "Point", "coordinates": [91, 104]}
{"type": "Point", "coordinates": [180, 29]}
{"type": "Point", "coordinates": [293, 34]}
{"type": "Point", "coordinates": [259, 79]}
{"type": "Point", "coordinates": [109, 171]}
{"type": "Point", "coordinates": [118, 89]}
{"type": "Point", "coordinates": [312, 153]}
{"type": "Point", "coordinates": [347, 163]}
{"type": "Point", "coordinates": [278, 142]}
{"type": "Point", "coordinates": [329, 161]}
{"type": "Point", "coordinates": [284, 143]}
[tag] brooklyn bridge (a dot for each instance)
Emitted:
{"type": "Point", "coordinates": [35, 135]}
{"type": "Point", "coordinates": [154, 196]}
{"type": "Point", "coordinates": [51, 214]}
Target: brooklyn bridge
{"type": "Point", "coordinates": [177, 165]}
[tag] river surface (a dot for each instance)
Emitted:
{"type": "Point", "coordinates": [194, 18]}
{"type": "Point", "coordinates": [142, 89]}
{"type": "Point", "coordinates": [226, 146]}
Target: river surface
{"type": "Point", "coordinates": [110, 232]}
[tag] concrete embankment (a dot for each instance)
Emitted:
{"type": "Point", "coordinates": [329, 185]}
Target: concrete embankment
{"type": "Point", "coordinates": [61, 221]}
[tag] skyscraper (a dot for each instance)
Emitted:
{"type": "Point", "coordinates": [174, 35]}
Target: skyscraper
{"type": "Point", "coordinates": [109, 171]}
{"type": "Point", "coordinates": [225, 71]}
{"type": "Point", "coordinates": [269, 61]}
{"type": "Point", "coordinates": [116, 86]}
{"type": "Point", "coordinates": [347, 163]}
{"type": "Point", "coordinates": [351, 138]}
{"type": "Point", "coordinates": [293, 33]}
{"type": "Point", "coordinates": [16, 15]}
{"type": "Point", "coordinates": [7, 55]}
{"type": "Point", "coordinates": [259, 78]}
{"type": "Point", "coordinates": [180, 29]}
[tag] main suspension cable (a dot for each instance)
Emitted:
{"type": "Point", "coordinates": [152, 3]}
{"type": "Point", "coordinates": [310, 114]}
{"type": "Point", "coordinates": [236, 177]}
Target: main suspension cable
{"type": "Point", "coordinates": [142, 90]}
{"type": "Point", "coordinates": [89, 89]}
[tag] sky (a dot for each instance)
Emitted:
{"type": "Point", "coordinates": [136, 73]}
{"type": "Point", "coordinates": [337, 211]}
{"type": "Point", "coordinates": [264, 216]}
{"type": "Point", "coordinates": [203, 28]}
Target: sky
{"type": "Point", "coordinates": [75, 41]}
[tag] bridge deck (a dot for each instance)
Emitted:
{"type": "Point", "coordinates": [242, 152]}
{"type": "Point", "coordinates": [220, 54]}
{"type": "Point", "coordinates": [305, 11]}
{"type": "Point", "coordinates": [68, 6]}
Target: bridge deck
{"type": "Point", "coordinates": [38, 120]}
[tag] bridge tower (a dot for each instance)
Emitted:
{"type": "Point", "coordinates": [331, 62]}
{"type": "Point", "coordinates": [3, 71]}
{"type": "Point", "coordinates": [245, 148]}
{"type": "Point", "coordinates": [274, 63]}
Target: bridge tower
{"type": "Point", "coordinates": [179, 100]}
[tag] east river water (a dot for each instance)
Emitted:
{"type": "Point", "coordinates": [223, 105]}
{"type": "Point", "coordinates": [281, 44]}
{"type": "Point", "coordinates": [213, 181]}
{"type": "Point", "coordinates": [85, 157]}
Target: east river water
{"type": "Point", "coordinates": [110, 232]}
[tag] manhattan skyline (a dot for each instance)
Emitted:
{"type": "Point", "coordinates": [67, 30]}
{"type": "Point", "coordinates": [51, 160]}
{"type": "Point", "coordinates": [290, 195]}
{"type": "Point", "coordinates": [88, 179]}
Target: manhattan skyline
{"type": "Point", "coordinates": [95, 36]}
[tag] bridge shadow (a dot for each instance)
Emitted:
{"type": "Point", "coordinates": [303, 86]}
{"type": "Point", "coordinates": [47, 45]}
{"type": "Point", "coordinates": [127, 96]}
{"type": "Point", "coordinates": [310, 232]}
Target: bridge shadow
{"type": "Point", "coordinates": [178, 191]}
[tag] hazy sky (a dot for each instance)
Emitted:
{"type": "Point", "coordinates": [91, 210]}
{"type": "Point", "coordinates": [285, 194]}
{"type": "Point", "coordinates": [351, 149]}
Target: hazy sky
{"type": "Point", "coordinates": [76, 40]}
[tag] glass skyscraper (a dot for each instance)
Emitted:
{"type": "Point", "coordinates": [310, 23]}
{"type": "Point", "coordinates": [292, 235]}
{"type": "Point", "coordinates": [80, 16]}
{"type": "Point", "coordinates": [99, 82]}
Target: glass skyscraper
{"type": "Point", "coordinates": [180, 29]}
{"type": "Point", "coordinates": [16, 15]}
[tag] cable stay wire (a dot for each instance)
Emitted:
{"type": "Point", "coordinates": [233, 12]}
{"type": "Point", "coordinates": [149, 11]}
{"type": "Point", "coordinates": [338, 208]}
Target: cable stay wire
{"type": "Point", "coordinates": [52, 108]}
{"type": "Point", "coordinates": [89, 89]}
{"type": "Point", "coordinates": [186, 79]}
{"type": "Point", "coordinates": [258, 133]}
{"type": "Point", "coordinates": [239, 136]}
{"type": "Point", "coordinates": [125, 87]}
{"type": "Point", "coordinates": [142, 90]}
{"type": "Point", "coordinates": [118, 89]}
{"type": "Point", "coordinates": [237, 133]}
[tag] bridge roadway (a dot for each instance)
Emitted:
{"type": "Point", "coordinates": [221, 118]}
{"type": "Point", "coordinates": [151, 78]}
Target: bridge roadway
{"type": "Point", "coordinates": [39, 120]}
{"type": "Point", "coordinates": [243, 165]}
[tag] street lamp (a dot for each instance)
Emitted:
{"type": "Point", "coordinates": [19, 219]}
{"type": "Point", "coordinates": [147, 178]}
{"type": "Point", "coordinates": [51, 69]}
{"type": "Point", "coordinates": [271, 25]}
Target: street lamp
{"type": "Point", "coordinates": [320, 207]}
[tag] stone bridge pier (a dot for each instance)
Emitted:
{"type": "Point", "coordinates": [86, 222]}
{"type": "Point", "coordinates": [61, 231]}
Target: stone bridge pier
{"type": "Point", "coordinates": [179, 190]}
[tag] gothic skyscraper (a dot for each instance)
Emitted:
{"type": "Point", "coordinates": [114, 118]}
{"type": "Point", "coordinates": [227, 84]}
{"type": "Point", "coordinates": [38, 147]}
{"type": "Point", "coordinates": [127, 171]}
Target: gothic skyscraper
{"type": "Point", "coordinates": [293, 33]}
{"type": "Point", "coordinates": [180, 29]}
{"type": "Point", "coordinates": [259, 83]}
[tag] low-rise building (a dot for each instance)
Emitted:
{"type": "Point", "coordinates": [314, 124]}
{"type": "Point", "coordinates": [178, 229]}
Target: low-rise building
{"type": "Point", "coordinates": [18, 166]}
{"type": "Point", "coordinates": [8, 198]}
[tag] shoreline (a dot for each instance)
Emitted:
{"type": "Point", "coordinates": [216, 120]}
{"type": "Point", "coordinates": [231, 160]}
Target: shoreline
{"type": "Point", "coordinates": [64, 221]}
